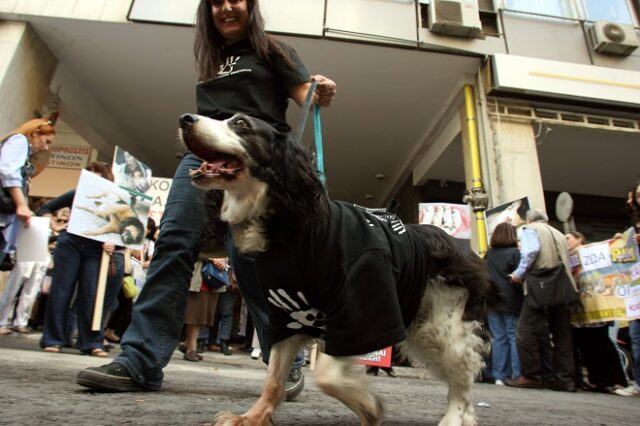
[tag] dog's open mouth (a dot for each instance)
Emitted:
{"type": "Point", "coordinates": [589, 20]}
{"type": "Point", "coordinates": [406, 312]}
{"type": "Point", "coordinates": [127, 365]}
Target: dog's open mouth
{"type": "Point", "coordinates": [223, 165]}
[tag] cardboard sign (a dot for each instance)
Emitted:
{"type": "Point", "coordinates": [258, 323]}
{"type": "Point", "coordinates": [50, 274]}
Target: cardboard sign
{"type": "Point", "coordinates": [105, 212]}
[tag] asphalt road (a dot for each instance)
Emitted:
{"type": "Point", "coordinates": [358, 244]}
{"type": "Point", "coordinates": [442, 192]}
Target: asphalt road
{"type": "Point", "coordinates": [38, 388]}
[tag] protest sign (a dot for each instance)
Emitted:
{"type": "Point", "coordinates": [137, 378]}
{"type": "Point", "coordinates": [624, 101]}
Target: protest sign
{"type": "Point", "coordinates": [105, 212]}
{"type": "Point", "coordinates": [454, 219]}
{"type": "Point", "coordinates": [608, 275]}
{"type": "Point", "coordinates": [33, 241]}
{"type": "Point", "coordinates": [159, 192]}
{"type": "Point", "coordinates": [379, 358]}
{"type": "Point", "coordinates": [513, 212]}
{"type": "Point", "coordinates": [130, 172]}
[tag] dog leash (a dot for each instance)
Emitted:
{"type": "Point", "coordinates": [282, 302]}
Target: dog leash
{"type": "Point", "coordinates": [317, 126]}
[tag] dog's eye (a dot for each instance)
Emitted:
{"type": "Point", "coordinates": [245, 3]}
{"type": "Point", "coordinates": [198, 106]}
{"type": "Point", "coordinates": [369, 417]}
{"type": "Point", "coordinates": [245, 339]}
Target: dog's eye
{"type": "Point", "coordinates": [242, 123]}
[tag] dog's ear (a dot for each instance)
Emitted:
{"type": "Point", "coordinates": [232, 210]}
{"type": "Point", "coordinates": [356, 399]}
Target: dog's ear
{"type": "Point", "coordinates": [294, 183]}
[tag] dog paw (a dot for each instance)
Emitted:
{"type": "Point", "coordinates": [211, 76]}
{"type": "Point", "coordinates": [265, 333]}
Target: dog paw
{"type": "Point", "coordinates": [227, 418]}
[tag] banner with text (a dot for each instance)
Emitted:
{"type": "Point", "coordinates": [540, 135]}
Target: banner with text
{"type": "Point", "coordinates": [379, 358]}
{"type": "Point", "coordinates": [69, 157]}
{"type": "Point", "coordinates": [608, 273]}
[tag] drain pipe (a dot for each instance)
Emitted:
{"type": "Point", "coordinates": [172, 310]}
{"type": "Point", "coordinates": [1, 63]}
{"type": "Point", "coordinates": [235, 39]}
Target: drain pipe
{"type": "Point", "coordinates": [476, 196]}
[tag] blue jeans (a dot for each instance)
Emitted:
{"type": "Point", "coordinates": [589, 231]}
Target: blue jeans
{"type": "Point", "coordinates": [156, 321]}
{"type": "Point", "coordinates": [77, 260]}
{"type": "Point", "coordinates": [505, 362]}
{"type": "Point", "coordinates": [158, 313]}
{"type": "Point", "coordinates": [225, 306]}
{"type": "Point", "coordinates": [634, 336]}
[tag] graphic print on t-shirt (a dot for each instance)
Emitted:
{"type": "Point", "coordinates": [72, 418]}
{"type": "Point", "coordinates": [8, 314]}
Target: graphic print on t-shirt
{"type": "Point", "coordinates": [227, 67]}
{"type": "Point", "coordinates": [300, 312]}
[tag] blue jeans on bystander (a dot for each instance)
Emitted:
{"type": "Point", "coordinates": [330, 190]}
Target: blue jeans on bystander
{"type": "Point", "coordinates": [505, 362]}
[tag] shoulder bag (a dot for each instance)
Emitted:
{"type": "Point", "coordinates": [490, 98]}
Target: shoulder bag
{"type": "Point", "coordinates": [547, 287]}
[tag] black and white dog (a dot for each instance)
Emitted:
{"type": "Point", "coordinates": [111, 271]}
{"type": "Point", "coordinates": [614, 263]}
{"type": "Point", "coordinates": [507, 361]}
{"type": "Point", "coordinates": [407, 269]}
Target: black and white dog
{"type": "Point", "coordinates": [335, 271]}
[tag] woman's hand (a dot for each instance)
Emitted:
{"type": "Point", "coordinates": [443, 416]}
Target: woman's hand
{"type": "Point", "coordinates": [23, 213]}
{"type": "Point", "coordinates": [325, 90]}
{"type": "Point", "coordinates": [108, 248]}
{"type": "Point", "coordinates": [219, 263]}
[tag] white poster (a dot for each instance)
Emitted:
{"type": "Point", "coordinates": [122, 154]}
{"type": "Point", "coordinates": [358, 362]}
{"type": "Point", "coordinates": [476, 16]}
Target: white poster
{"type": "Point", "coordinates": [130, 172]}
{"type": "Point", "coordinates": [33, 241]}
{"type": "Point", "coordinates": [454, 219]}
{"type": "Point", "coordinates": [105, 212]}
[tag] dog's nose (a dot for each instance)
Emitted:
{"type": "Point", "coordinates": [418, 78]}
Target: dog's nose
{"type": "Point", "coordinates": [187, 120]}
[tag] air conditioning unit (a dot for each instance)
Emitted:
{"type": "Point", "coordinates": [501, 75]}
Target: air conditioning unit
{"type": "Point", "coordinates": [613, 38]}
{"type": "Point", "coordinates": [459, 18]}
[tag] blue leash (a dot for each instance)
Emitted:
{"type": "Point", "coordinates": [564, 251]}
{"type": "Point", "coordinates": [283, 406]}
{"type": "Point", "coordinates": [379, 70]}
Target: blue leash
{"type": "Point", "coordinates": [317, 125]}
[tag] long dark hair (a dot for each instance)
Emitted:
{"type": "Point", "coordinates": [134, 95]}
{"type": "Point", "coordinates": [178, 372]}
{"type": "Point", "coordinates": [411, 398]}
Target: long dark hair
{"type": "Point", "coordinates": [208, 43]}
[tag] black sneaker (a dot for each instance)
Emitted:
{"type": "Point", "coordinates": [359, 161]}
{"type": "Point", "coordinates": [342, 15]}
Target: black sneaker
{"type": "Point", "coordinates": [111, 377]}
{"type": "Point", "coordinates": [294, 384]}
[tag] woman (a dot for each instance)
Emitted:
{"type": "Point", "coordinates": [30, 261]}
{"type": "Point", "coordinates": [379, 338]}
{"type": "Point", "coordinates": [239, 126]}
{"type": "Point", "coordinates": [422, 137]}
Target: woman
{"type": "Point", "coordinates": [15, 174]}
{"type": "Point", "coordinates": [503, 257]}
{"type": "Point", "coordinates": [241, 69]}
{"type": "Point", "coordinates": [592, 345]}
{"type": "Point", "coordinates": [77, 265]}
{"type": "Point", "coordinates": [634, 325]}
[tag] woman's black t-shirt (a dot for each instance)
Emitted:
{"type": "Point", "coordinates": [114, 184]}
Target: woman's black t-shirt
{"type": "Point", "coordinates": [250, 85]}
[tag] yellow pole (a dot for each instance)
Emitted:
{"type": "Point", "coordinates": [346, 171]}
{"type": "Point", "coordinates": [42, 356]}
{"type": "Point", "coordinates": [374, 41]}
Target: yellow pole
{"type": "Point", "coordinates": [474, 150]}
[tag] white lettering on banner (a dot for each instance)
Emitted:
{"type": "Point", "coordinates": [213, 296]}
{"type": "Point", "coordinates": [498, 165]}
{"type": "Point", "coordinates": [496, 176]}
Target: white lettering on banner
{"type": "Point", "coordinates": [69, 157]}
{"type": "Point", "coordinates": [595, 256]}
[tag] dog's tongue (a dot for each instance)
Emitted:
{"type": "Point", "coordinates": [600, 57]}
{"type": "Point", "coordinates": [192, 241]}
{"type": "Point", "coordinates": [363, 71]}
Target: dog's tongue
{"type": "Point", "coordinates": [224, 165]}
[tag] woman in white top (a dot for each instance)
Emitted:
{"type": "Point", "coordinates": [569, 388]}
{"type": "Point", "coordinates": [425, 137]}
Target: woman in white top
{"type": "Point", "coordinates": [34, 136]}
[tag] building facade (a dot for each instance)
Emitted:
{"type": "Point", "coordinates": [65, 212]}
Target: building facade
{"type": "Point", "coordinates": [553, 85]}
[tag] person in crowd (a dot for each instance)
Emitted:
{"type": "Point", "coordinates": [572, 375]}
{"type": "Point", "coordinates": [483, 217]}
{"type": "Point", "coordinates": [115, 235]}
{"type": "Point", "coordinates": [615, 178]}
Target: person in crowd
{"type": "Point", "coordinates": [542, 246]}
{"type": "Point", "coordinates": [202, 303]}
{"type": "Point", "coordinates": [24, 284]}
{"type": "Point", "coordinates": [31, 137]}
{"type": "Point", "coordinates": [594, 348]}
{"type": "Point", "coordinates": [501, 259]}
{"type": "Point", "coordinates": [634, 325]}
{"type": "Point", "coordinates": [227, 31]}
{"type": "Point", "coordinates": [226, 304]}
{"type": "Point", "coordinates": [120, 316]}
{"type": "Point", "coordinates": [77, 264]}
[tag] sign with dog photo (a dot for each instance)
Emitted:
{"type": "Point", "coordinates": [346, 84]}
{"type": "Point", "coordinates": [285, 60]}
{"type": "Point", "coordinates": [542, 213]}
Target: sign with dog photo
{"type": "Point", "coordinates": [513, 212]}
{"type": "Point", "coordinates": [130, 172]}
{"type": "Point", "coordinates": [106, 212]}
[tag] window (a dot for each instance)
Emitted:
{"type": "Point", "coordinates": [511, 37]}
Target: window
{"type": "Point", "coordinates": [545, 7]}
{"type": "Point", "coordinates": [610, 10]}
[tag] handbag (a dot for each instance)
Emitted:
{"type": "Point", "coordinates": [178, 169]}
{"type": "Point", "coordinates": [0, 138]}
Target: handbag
{"type": "Point", "coordinates": [214, 277]}
{"type": "Point", "coordinates": [129, 287]}
{"type": "Point", "coordinates": [7, 205]}
{"type": "Point", "coordinates": [548, 287]}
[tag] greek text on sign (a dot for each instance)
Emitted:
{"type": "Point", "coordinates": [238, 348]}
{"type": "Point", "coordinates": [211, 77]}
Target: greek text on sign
{"type": "Point", "coordinates": [595, 256]}
{"type": "Point", "coordinates": [69, 157]}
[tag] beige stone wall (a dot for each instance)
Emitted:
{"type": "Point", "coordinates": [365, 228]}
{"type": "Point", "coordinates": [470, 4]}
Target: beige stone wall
{"type": "Point", "coordinates": [26, 68]}
{"type": "Point", "coordinates": [94, 10]}
{"type": "Point", "coordinates": [517, 163]}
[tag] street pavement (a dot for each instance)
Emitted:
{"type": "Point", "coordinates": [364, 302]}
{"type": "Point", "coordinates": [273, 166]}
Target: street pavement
{"type": "Point", "coordinates": [38, 388]}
